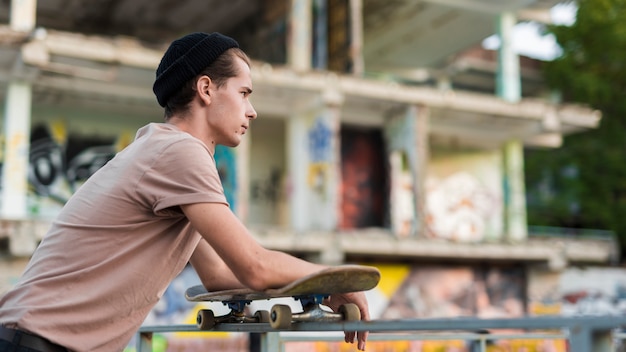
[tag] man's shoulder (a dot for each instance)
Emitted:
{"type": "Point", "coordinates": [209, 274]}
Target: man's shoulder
{"type": "Point", "coordinates": [165, 135]}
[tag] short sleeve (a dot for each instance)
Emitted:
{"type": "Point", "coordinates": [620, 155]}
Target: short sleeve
{"type": "Point", "coordinates": [183, 173]}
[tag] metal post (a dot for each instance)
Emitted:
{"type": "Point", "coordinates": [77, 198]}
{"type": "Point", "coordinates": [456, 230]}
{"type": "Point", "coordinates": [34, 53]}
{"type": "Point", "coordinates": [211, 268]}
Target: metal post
{"type": "Point", "coordinates": [483, 344]}
{"type": "Point", "coordinates": [270, 342]}
{"type": "Point", "coordinates": [580, 339]}
{"type": "Point", "coordinates": [144, 342]}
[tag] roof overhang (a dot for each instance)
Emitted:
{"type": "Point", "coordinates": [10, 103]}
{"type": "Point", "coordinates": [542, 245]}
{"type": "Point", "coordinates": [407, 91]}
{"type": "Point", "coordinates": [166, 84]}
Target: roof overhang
{"type": "Point", "coordinates": [67, 69]}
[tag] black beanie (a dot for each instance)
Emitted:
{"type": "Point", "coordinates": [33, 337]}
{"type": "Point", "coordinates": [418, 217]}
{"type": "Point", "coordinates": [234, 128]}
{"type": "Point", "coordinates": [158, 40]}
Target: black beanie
{"type": "Point", "coordinates": [186, 58]}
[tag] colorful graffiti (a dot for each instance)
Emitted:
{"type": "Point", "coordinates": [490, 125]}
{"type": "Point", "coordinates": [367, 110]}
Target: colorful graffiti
{"type": "Point", "coordinates": [58, 167]}
{"type": "Point", "coordinates": [226, 162]}
{"type": "Point", "coordinates": [319, 142]}
{"type": "Point", "coordinates": [458, 291]}
{"type": "Point", "coordinates": [59, 162]}
{"type": "Point", "coordinates": [364, 180]}
{"type": "Point", "coordinates": [320, 152]}
{"type": "Point", "coordinates": [403, 200]}
{"type": "Point", "coordinates": [402, 136]}
{"type": "Point", "coordinates": [404, 291]}
{"type": "Point", "coordinates": [590, 291]}
{"type": "Point", "coordinates": [459, 208]}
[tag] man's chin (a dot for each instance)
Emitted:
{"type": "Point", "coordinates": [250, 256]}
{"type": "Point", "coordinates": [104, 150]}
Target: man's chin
{"type": "Point", "coordinates": [232, 144]}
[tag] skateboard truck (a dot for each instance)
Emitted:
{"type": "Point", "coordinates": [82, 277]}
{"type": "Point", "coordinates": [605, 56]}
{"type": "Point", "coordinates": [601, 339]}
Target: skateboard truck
{"type": "Point", "coordinates": [206, 319]}
{"type": "Point", "coordinates": [281, 316]}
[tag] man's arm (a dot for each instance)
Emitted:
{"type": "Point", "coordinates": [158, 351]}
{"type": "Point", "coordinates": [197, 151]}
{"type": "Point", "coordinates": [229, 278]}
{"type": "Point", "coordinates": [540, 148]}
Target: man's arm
{"type": "Point", "coordinates": [251, 264]}
{"type": "Point", "coordinates": [213, 272]}
{"type": "Point", "coordinates": [245, 262]}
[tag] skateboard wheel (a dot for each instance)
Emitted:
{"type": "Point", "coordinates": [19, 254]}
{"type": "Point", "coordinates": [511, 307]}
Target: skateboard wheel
{"type": "Point", "coordinates": [350, 312]}
{"type": "Point", "coordinates": [262, 316]}
{"type": "Point", "coordinates": [280, 318]}
{"type": "Point", "coordinates": [205, 319]}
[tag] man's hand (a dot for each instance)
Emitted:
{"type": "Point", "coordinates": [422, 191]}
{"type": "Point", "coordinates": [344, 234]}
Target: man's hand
{"type": "Point", "coordinates": [358, 298]}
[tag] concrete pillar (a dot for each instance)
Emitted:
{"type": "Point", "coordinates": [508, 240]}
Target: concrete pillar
{"type": "Point", "coordinates": [422, 121]}
{"type": "Point", "coordinates": [300, 36]}
{"type": "Point", "coordinates": [407, 139]}
{"type": "Point", "coordinates": [329, 201]}
{"type": "Point", "coordinates": [297, 164]}
{"type": "Point", "coordinates": [313, 165]}
{"type": "Point", "coordinates": [515, 192]}
{"type": "Point", "coordinates": [16, 149]}
{"type": "Point", "coordinates": [508, 81]}
{"type": "Point", "coordinates": [320, 44]}
{"type": "Point", "coordinates": [23, 15]}
{"type": "Point", "coordinates": [17, 125]}
{"type": "Point", "coordinates": [356, 37]}
{"type": "Point", "coordinates": [508, 87]}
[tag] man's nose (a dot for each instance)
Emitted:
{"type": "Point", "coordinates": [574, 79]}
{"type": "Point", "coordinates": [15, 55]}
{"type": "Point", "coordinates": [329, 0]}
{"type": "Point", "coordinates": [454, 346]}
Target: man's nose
{"type": "Point", "coordinates": [251, 113]}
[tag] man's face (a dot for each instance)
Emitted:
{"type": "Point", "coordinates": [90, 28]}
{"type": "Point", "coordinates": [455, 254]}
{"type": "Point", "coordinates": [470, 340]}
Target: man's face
{"type": "Point", "coordinates": [231, 110]}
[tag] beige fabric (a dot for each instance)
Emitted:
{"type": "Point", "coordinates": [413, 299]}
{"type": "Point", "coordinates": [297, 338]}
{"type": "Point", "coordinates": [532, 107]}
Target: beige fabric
{"type": "Point", "coordinates": [116, 245]}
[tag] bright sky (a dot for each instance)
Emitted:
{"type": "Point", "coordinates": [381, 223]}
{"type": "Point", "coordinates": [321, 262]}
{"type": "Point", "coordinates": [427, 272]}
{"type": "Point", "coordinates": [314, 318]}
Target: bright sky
{"type": "Point", "coordinates": [529, 40]}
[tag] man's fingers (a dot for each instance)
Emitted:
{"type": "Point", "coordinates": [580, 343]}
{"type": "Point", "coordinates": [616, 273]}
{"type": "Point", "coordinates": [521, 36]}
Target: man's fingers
{"type": "Point", "coordinates": [362, 337]}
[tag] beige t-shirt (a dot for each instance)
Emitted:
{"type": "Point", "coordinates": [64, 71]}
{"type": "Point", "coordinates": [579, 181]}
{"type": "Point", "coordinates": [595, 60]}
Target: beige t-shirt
{"type": "Point", "coordinates": [116, 245]}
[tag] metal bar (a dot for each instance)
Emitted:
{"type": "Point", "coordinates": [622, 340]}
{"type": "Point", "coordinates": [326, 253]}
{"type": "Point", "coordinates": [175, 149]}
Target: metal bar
{"type": "Point", "coordinates": [585, 334]}
{"type": "Point", "coordinates": [270, 342]}
{"type": "Point", "coordinates": [422, 337]}
{"type": "Point", "coordinates": [595, 323]}
{"type": "Point", "coordinates": [144, 342]}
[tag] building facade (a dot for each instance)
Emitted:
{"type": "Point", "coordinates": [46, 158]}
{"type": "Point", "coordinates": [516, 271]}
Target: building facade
{"type": "Point", "coordinates": [384, 137]}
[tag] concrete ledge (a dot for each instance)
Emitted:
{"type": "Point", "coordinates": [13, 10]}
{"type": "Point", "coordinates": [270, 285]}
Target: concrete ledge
{"type": "Point", "coordinates": [557, 253]}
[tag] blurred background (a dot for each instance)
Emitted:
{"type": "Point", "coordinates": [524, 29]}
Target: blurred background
{"type": "Point", "coordinates": [472, 150]}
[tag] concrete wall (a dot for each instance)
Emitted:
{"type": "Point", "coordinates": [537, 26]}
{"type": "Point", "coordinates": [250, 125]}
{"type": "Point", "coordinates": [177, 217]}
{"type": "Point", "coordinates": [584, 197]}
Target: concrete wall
{"type": "Point", "coordinates": [268, 182]}
{"type": "Point", "coordinates": [464, 200]}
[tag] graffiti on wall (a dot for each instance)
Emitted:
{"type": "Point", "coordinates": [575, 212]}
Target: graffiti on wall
{"type": "Point", "coordinates": [59, 162]}
{"type": "Point", "coordinates": [363, 179]}
{"type": "Point", "coordinates": [226, 162]}
{"type": "Point", "coordinates": [269, 189]}
{"type": "Point", "coordinates": [401, 137]}
{"type": "Point", "coordinates": [435, 292]}
{"type": "Point", "coordinates": [576, 291]}
{"type": "Point", "coordinates": [404, 292]}
{"type": "Point", "coordinates": [320, 149]}
{"type": "Point", "coordinates": [403, 199]}
{"type": "Point", "coordinates": [459, 207]}
{"type": "Point", "coordinates": [58, 167]}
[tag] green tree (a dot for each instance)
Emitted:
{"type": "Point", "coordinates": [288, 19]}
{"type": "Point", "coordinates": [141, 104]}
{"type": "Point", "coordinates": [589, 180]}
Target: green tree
{"type": "Point", "coordinates": [583, 183]}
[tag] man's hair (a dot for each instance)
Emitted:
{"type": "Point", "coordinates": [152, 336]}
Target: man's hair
{"type": "Point", "coordinates": [219, 71]}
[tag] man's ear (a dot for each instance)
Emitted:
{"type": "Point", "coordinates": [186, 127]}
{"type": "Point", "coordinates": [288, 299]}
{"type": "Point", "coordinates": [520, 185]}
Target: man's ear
{"type": "Point", "coordinates": [203, 85]}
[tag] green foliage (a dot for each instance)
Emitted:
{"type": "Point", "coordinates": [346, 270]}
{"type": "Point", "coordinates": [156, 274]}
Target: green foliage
{"type": "Point", "coordinates": [583, 183]}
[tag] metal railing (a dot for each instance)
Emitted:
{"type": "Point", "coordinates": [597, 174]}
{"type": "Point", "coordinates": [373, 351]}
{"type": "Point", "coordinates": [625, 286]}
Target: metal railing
{"type": "Point", "coordinates": [583, 333]}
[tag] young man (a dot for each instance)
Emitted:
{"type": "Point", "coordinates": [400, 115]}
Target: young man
{"type": "Point", "coordinates": [134, 225]}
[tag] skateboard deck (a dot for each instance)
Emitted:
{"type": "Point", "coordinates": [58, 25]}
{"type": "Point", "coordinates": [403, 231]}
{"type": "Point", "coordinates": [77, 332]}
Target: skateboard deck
{"type": "Point", "coordinates": [310, 291]}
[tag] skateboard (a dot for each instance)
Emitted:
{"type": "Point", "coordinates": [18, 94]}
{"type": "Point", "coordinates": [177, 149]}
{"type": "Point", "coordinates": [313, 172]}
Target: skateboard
{"type": "Point", "coordinates": [310, 291]}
